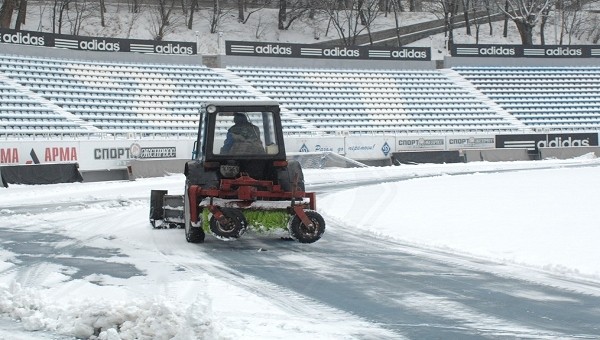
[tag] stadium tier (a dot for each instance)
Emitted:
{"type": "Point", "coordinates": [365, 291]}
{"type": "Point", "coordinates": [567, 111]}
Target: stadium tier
{"type": "Point", "coordinates": [392, 101]}
{"type": "Point", "coordinates": [61, 96]}
{"type": "Point", "coordinates": [542, 98]}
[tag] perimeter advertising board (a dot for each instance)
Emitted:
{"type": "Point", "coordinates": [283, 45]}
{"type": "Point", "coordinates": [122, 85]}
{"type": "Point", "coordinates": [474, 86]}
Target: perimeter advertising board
{"type": "Point", "coordinates": [325, 144]}
{"type": "Point", "coordinates": [369, 147]}
{"type": "Point", "coordinates": [521, 51]}
{"type": "Point", "coordinates": [31, 152]}
{"type": "Point", "coordinates": [274, 49]}
{"type": "Point", "coordinates": [532, 142]}
{"type": "Point", "coordinates": [90, 154]}
{"type": "Point", "coordinates": [115, 154]}
{"type": "Point", "coordinates": [420, 143]}
{"type": "Point", "coordinates": [97, 44]}
{"type": "Point", "coordinates": [459, 142]}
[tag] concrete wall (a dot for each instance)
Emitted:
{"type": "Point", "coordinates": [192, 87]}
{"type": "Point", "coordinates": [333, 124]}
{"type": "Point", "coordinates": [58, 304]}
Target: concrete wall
{"type": "Point", "coordinates": [231, 60]}
{"type": "Point", "coordinates": [496, 155]}
{"type": "Point", "coordinates": [568, 152]}
{"type": "Point", "coordinates": [154, 168]}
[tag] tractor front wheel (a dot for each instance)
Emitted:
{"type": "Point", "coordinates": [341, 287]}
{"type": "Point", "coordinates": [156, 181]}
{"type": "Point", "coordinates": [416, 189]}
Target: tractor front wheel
{"type": "Point", "coordinates": [232, 225]}
{"type": "Point", "coordinates": [307, 234]}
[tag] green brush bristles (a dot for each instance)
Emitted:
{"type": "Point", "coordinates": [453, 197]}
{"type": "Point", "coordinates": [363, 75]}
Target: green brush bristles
{"type": "Point", "coordinates": [258, 220]}
{"type": "Point", "coordinates": [266, 220]}
{"type": "Point", "coordinates": [206, 220]}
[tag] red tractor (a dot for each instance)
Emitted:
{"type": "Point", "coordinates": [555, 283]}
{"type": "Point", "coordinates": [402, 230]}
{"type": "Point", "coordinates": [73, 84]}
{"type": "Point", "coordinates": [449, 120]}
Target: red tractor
{"type": "Point", "coordinates": [239, 166]}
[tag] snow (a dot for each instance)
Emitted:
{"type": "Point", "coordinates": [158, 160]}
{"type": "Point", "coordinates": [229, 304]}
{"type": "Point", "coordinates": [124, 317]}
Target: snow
{"type": "Point", "coordinates": [531, 217]}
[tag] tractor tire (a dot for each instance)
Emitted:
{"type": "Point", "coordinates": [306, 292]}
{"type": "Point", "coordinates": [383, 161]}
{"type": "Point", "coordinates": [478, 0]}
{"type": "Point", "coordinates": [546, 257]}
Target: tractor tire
{"type": "Point", "coordinates": [287, 176]}
{"type": "Point", "coordinates": [304, 234]}
{"type": "Point", "coordinates": [233, 229]}
{"type": "Point", "coordinates": [193, 234]}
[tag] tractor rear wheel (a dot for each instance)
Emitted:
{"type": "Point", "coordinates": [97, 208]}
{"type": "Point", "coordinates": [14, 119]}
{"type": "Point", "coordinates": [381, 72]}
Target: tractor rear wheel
{"type": "Point", "coordinates": [233, 227]}
{"type": "Point", "coordinates": [305, 234]}
{"type": "Point", "coordinates": [291, 175]}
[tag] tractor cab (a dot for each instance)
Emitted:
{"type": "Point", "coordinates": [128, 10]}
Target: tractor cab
{"type": "Point", "coordinates": [240, 138]}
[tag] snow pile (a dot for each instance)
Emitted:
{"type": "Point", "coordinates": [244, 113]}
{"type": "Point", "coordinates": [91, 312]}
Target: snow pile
{"type": "Point", "coordinates": [109, 320]}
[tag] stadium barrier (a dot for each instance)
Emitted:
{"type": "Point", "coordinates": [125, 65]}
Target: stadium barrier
{"type": "Point", "coordinates": [138, 168]}
{"type": "Point", "coordinates": [105, 175]}
{"type": "Point", "coordinates": [496, 155]}
{"type": "Point", "coordinates": [568, 152]}
{"type": "Point", "coordinates": [419, 157]}
{"type": "Point", "coordinates": [104, 159]}
{"type": "Point", "coordinates": [41, 174]}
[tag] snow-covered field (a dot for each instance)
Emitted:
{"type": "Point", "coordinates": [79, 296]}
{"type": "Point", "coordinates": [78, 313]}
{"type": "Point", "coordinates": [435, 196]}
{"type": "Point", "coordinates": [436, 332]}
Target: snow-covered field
{"type": "Point", "coordinates": [541, 217]}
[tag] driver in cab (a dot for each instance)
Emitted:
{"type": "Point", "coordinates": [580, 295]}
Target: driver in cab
{"type": "Point", "coordinates": [243, 137]}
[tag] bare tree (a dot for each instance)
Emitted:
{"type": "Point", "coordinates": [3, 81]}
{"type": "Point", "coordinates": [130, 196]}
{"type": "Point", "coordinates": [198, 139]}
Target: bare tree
{"type": "Point", "coordinates": [241, 8]}
{"type": "Point", "coordinates": [594, 32]}
{"type": "Point", "coordinates": [488, 6]}
{"type": "Point", "coordinates": [525, 14]}
{"type": "Point", "coordinates": [80, 12]}
{"type": "Point", "coordinates": [102, 11]}
{"type": "Point", "coordinates": [6, 12]}
{"type": "Point", "coordinates": [450, 8]}
{"type": "Point", "coordinates": [290, 11]}
{"type": "Point", "coordinates": [396, 6]}
{"type": "Point", "coordinates": [21, 14]}
{"type": "Point", "coordinates": [248, 12]}
{"type": "Point", "coordinates": [193, 6]}
{"type": "Point", "coordinates": [543, 22]}
{"type": "Point", "coordinates": [478, 7]}
{"type": "Point", "coordinates": [134, 6]}
{"type": "Point", "coordinates": [574, 21]}
{"type": "Point", "coordinates": [216, 16]}
{"type": "Point", "coordinates": [465, 6]}
{"type": "Point", "coordinates": [132, 22]}
{"type": "Point", "coordinates": [350, 18]}
{"type": "Point", "coordinates": [59, 14]}
{"type": "Point", "coordinates": [162, 19]}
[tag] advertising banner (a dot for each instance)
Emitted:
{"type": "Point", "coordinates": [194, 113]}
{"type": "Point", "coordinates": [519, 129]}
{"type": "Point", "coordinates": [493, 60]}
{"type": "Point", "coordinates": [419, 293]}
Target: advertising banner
{"type": "Point", "coordinates": [369, 147]}
{"type": "Point", "coordinates": [533, 142]}
{"type": "Point", "coordinates": [274, 49]}
{"type": "Point", "coordinates": [520, 51]}
{"type": "Point", "coordinates": [32, 152]}
{"type": "Point", "coordinates": [325, 144]}
{"type": "Point", "coordinates": [419, 143]}
{"type": "Point", "coordinates": [115, 154]}
{"type": "Point", "coordinates": [98, 44]}
{"type": "Point", "coordinates": [458, 142]}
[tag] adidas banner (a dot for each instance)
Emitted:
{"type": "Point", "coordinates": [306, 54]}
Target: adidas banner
{"type": "Point", "coordinates": [267, 49]}
{"type": "Point", "coordinates": [97, 44]}
{"type": "Point", "coordinates": [520, 51]}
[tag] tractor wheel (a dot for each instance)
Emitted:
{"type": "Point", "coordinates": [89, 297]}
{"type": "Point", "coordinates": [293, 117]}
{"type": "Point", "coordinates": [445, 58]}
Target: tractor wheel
{"type": "Point", "coordinates": [303, 233]}
{"type": "Point", "coordinates": [288, 175]}
{"type": "Point", "coordinates": [235, 226]}
{"type": "Point", "coordinates": [192, 234]}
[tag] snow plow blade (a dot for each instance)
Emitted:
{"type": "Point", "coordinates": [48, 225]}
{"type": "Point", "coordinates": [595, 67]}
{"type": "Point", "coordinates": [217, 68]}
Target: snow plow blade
{"type": "Point", "coordinates": [166, 211]}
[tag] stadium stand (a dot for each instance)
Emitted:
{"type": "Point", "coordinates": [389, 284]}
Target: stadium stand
{"type": "Point", "coordinates": [376, 101]}
{"type": "Point", "coordinates": [43, 95]}
{"type": "Point", "coordinates": [119, 97]}
{"type": "Point", "coordinates": [542, 98]}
